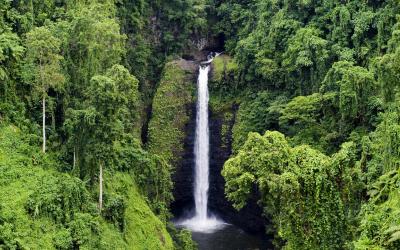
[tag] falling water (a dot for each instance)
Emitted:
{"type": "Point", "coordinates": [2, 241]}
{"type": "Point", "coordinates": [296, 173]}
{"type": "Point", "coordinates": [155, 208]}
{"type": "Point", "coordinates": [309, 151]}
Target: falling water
{"type": "Point", "coordinates": [202, 146]}
{"type": "Point", "coordinates": [202, 221]}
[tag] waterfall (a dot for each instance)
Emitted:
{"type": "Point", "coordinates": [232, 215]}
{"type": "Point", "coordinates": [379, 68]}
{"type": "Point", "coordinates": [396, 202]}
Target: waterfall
{"type": "Point", "coordinates": [202, 221]}
{"type": "Point", "coordinates": [202, 145]}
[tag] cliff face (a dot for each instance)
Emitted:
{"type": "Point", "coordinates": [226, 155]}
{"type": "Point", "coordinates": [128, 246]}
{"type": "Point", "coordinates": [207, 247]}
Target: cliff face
{"type": "Point", "coordinates": [171, 111]}
{"type": "Point", "coordinates": [222, 120]}
{"type": "Point", "coordinates": [171, 126]}
{"type": "Point", "coordinates": [223, 111]}
{"type": "Point", "coordinates": [250, 217]}
{"type": "Point", "coordinates": [183, 177]}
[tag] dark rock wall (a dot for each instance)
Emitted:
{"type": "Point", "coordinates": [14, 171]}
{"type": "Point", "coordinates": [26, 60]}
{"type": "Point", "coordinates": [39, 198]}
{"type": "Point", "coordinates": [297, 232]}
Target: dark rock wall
{"type": "Point", "coordinates": [183, 177]}
{"type": "Point", "coordinates": [250, 217]}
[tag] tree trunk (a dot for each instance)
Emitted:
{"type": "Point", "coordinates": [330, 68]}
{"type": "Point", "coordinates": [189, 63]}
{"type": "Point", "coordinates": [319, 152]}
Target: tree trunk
{"type": "Point", "coordinates": [101, 187]}
{"type": "Point", "coordinates": [73, 166]}
{"type": "Point", "coordinates": [44, 123]}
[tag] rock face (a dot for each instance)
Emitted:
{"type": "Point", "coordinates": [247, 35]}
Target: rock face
{"type": "Point", "coordinates": [250, 217]}
{"type": "Point", "coordinates": [183, 176]}
{"type": "Point", "coordinates": [171, 127]}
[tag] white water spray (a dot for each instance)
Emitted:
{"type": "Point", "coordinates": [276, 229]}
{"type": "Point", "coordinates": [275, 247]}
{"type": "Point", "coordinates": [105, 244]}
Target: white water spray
{"type": "Point", "coordinates": [202, 221]}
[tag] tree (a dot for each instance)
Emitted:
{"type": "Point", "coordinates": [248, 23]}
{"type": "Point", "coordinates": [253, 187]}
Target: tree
{"type": "Point", "coordinates": [306, 57]}
{"type": "Point", "coordinates": [180, 20]}
{"type": "Point", "coordinates": [107, 114]}
{"type": "Point", "coordinates": [95, 43]}
{"type": "Point", "coordinates": [43, 68]}
{"type": "Point", "coordinates": [387, 67]}
{"type": "Point", "coordinates": [384, 144]}
{"type": "Point", "coordinates": [380, 221]}
{"type": "Point", "coordinates": [307, 195]}
{"type": "Point", "coordinates": [355, 90]}
{"type": "Point", "coordinates": [257, 114]}
{"type": "Point", "coordinates": [11, 52]}
{"type": "Point", "coordinates": [105, 101]}
{"type": "Point", "coordinates": [301, 112]}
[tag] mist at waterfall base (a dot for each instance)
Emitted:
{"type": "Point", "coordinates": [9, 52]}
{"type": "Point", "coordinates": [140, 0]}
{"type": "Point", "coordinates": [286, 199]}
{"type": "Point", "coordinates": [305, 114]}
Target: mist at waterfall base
{"type": "Point", "coordinates": [209, 231]}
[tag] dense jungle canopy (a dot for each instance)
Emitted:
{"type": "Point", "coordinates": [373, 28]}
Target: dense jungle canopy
{"type": "Point", "coordinates": [93, 109]}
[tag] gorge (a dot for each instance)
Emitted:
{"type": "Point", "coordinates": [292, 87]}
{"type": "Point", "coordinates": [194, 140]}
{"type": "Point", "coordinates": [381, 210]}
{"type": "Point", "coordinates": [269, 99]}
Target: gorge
{"type": "Point", "coordinates": [202, 221]}
{"type": "Point", "coordinates": [118, 132]}
{"type": "Point", "coordinates": [209, 230]}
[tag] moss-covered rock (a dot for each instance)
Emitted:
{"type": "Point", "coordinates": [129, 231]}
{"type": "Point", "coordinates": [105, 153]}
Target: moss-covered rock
{"type": "Point", "coordinates": [223, 66]}
{"type": "Point", "coordinates": [172, 110]}
{"type": "Point", "coordinates": [224, 79]}
{"type": "Point", "coordinates": [223, 105]}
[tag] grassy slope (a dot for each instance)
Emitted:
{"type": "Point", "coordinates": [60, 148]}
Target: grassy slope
{"type": "Point", "coordinates": [143, 230]}
{"type": "Point", "coordinates": [23, 169]}
{"type": "Point", "coordinates": [18, 178]}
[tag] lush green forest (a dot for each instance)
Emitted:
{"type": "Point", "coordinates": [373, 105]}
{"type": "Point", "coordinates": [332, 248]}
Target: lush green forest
{"type": "Point", "coordinates": [319, 81]}
{"type": "Point", "coordinates": [93, 109]}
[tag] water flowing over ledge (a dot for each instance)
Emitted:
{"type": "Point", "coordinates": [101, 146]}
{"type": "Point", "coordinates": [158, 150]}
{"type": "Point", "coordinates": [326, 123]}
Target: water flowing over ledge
{"type": "Point", "coordinates": [202, 221]}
